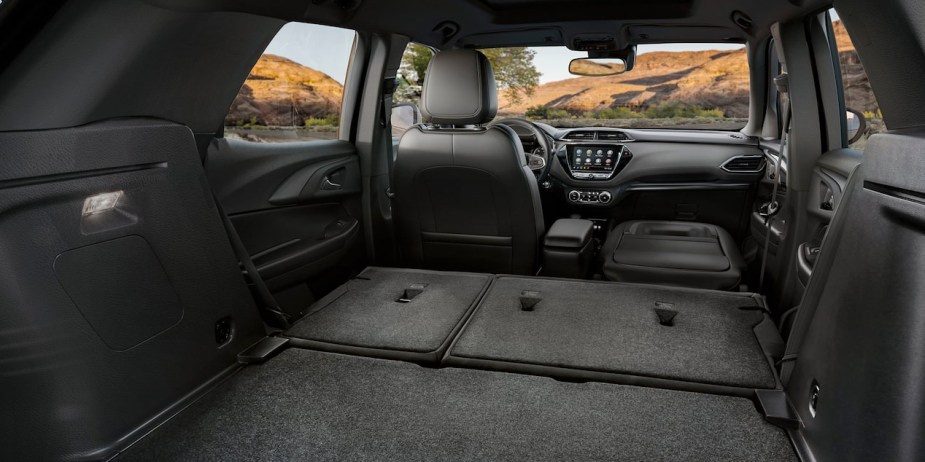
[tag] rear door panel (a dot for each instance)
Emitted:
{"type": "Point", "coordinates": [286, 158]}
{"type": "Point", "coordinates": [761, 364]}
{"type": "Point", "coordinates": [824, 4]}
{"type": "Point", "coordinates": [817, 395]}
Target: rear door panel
{"type": "Point", "coordinates": [830, 177]}
{"type": "Point", "coordinates": [296, 207]}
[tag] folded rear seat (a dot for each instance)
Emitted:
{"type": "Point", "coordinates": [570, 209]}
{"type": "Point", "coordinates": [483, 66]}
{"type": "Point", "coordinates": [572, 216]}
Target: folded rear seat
{"type": "Point", "coordinates": [394, 313]}
{"type": "Point", "coordinates": [675, 253]}
{"type": "Point", "coordinates": [668, 337]}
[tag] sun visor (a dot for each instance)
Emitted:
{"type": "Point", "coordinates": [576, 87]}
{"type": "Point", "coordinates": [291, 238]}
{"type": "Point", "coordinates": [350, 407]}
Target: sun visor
{"type": "Point", "coordinates": [684, 34]}
{"type": "Point", "coordinates": [521, 38]}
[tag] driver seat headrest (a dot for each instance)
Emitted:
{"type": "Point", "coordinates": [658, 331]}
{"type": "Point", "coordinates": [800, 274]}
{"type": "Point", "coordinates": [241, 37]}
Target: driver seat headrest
{"type": "Point", "coordinates": [459, 89]}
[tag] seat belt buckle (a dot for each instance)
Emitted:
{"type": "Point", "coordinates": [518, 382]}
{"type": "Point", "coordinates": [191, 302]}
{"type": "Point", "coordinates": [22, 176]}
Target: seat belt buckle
{"type": "Point", "coordinates": [768, 210]}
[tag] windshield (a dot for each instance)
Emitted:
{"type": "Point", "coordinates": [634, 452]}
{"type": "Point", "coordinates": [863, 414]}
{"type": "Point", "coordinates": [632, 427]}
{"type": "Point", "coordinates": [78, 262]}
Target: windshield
{"type": "Point", "coordinates": [689, 86]}
{"type": "Point", "coordinates": [692, 86]}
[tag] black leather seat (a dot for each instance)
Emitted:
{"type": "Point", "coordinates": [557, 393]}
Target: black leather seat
{"type": "Point", "coordinates": [673, 253]}
{"type": "Point", "coordinates": [464, 197]}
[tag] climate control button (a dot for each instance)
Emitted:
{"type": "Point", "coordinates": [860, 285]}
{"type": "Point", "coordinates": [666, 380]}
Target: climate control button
{"type": "Point", "coordinates": [590, 197]}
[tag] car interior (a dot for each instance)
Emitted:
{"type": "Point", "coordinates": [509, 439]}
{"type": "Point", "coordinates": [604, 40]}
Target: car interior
{"type": "Point", "coordinates": [450, 278]}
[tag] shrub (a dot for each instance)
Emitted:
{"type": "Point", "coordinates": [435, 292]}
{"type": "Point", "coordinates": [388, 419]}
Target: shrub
{"type": "Point", "coordinates": [675, 109]}
{"type": "Point", "coordinates": [545, 113]}
{"type": "Point", "coordinates": [618, 112]}
{"type": "Point", "coordinates": [330, 120]}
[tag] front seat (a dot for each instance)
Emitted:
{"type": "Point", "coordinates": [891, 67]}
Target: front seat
{"type": "Point", "coordinates": [465, 199]}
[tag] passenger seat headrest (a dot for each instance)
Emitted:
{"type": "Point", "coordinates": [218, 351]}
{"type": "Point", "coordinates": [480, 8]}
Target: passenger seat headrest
{"type": "Point", "coordinates": [459, 89]}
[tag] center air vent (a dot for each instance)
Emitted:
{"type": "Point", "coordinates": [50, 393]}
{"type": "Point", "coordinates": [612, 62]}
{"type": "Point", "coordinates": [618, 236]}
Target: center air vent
{"type": "Point", "coordinates": [580, 135]}
{"type": "Point", "coordinates": [744, 164]}
{"type": "Point", "coordinates": [612, 136]}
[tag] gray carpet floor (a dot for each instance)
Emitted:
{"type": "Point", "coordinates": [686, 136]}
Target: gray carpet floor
{"type": "Point", "coordinates": [366, 314]}
{"type": "Point", "coordinates": [614, 328]}
{"type": "Point", "coordinates": [306, 405]}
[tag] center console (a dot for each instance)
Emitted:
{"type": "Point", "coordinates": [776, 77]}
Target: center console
{"type": "Point", "coordinates": [592, 161]}
{"type": "Point", "coordinates": [568, 248]}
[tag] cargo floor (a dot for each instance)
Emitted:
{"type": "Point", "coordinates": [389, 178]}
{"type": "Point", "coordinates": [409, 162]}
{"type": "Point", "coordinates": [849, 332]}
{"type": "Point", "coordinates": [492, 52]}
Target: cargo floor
{"type": "Point", "coordinates": [308, 405]}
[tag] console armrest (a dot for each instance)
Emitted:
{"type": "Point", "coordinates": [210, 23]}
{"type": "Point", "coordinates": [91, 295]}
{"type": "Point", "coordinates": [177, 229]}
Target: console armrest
{"type": "Point", "coordinates": [569, 233]}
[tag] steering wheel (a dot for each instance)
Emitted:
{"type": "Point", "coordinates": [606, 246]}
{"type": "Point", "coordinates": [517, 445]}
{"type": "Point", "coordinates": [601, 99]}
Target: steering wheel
{"type": "Point", "coordinates": [540, 159]}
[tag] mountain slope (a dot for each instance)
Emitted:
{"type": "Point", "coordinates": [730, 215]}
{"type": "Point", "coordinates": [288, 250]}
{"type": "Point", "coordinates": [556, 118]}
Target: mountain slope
{"type": "Point", "coordinates": [710, 79]}
{"type": "Point", "coordinates": [280, 91]}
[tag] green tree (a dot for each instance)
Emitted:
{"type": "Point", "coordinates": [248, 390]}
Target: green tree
{"type": "Point", "coordinates": [515, 72]}
{"type": "Point", "coordinates": [414, 63]}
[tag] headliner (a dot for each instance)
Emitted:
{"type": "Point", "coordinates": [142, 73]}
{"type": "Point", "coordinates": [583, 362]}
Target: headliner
{"type": "Point", "coordinates": [487, 23]}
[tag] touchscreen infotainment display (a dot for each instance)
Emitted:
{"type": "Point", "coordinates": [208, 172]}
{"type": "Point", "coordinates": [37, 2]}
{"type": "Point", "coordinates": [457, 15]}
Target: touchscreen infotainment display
{"type": "Point", "coordinates": [593, 159]}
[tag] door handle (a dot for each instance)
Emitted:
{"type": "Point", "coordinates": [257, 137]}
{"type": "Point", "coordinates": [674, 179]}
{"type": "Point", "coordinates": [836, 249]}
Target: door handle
{"type": "Point", "coordinates": [334, 180]}
{"type": "Point", "coordinates": [328, 185]}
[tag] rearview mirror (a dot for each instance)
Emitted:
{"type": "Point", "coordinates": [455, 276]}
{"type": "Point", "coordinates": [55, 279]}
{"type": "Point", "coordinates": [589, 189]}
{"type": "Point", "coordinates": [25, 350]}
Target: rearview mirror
{"type": "Point", "coordinates": [597, 67]}
{"type": "Point", "coordinates": [857, 125]}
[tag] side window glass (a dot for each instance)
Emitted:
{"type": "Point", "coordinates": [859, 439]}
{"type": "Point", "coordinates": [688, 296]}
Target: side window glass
{"type": "Point", "coordinates": [296, 88]}
{"type": "Point", "coordinates": [858, 95]}
{"type": "Point", "coordinates": [407, 96]}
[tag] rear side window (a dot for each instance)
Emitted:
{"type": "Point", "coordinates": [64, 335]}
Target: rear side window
{"type": "Point", "coordinates": [296, 89]}
{"type": "Point", "coordinates": [858, 94]}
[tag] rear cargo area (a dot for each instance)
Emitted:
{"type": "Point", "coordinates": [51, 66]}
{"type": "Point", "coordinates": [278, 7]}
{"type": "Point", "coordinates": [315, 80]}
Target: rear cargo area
{"type": "Point", "coordinates": [308, 405]}
{"type": "Point", "coordinates": [422, 365]}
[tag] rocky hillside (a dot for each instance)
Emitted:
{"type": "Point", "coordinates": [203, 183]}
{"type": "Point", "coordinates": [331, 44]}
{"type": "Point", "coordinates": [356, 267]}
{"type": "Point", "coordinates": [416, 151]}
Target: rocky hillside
{"type": "Point", "coordinates": [708, 79]}
{"type": "Point", "coordinates": [280, 91]}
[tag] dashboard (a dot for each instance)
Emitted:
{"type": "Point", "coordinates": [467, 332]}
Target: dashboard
{"type": "Point", "coordinates": [606, 174]}
{"type": "Point", "coordinates": [598, 166]}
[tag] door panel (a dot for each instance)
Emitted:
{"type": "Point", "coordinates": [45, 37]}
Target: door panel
{"type": "Point", "coordinates": [297, 209]}
{"type": "Point", "coordinates": [830, 177]}
{"type": "Point", "coordinates": [247, 175]}
{"type": "Point", "coordinates": [317, 181]}
{"type": "Point", "coordinates": [294, 239]}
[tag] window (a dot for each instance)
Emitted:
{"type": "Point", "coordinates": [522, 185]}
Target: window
{"type": "Point", "coordinates": [693, 86]}
{"type": "Point", "coordinates": [296, 88]}
{"type": "Point", "coordinates": [407, 95]}
{"type": "Point", "coordinates": [858, 94]}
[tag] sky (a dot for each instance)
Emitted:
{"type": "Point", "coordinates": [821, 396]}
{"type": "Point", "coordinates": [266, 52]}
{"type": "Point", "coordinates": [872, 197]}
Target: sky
{"type": "Point", "coordinates": [303, 43]}
{"type": "Point", "coordinates": [300, 43]}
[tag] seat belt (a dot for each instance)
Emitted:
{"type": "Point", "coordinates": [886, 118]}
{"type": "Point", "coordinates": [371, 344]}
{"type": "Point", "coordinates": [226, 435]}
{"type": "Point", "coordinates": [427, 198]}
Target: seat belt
{"type": "Point", "coordinates": [773, 207]}
{"type": "Point", "coordinates": [385, 121]}
{"type": "Point", "coordinates": [272, 313]}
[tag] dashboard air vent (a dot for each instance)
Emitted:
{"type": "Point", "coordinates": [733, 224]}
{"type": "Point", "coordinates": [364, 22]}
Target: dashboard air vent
{"type": "Point", "coordinates": [738, 136]}
{"type": "Point", "coordinates": [744, 164]}
{"type": "Point", "coordinates": [580, 135]}
{"type": "Point", "coordinates": [612, 136]}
